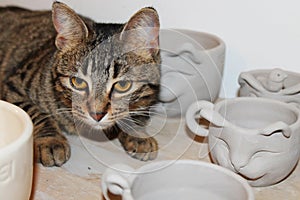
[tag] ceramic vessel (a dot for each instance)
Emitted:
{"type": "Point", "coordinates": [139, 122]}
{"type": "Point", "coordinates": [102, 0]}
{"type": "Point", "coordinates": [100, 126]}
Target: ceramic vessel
{"type": "Point", "coordinates": [16, 153]}
{"type": "Point", "coordinates": [176, 180]}
{"type": "Point", "coordinates": [274, 83]}
{"type": "Point", "coordinates": [256, 137]}
{"type": "Point", "coordinates": [192, 69]}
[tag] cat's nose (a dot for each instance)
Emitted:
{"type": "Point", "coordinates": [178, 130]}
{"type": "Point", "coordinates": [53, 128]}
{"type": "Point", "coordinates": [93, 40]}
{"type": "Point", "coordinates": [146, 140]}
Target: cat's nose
{"type": "Point", "coordinates": [97, 116]}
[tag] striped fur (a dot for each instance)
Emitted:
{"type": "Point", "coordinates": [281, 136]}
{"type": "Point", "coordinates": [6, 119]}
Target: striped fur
{"type": "Point", "coordinates": [64, 69]}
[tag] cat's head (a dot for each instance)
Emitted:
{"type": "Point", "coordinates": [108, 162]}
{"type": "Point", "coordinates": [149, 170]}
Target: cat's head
{"type": "Point", "coordinates": [107, 77]}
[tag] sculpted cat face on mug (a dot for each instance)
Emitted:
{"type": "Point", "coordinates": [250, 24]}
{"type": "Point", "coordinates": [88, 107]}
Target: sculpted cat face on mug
{"type": "Point", "coordinates": [255, 137]}
{"type": "Point", "coordinates": [192, 69]}
{"type": "Point", "coordinates": [253, 159]}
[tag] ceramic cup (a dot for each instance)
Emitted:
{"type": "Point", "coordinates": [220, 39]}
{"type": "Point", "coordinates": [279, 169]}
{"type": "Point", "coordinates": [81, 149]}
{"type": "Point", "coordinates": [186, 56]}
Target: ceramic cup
{"type": "Point", "coordinates": [176, 180]}
{"type": "Point", "coordinates": [16, 153]}
{"type": "Point", "coordinates": [256, 137]}
{"type": "Point", "coordinates": [191, 70]}
{"type": "Point", "coordinates": [274, 83]}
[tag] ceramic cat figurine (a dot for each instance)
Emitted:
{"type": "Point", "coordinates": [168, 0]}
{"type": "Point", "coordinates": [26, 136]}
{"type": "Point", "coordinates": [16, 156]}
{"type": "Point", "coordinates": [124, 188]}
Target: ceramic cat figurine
{"type": "Point", "coordinates": [73, 75]}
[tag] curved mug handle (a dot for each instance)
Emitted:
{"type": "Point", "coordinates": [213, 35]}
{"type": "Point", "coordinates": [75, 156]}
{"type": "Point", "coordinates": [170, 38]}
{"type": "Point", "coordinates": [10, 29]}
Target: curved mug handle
{"type": "Point", "coordinates": [202, 109]}
{"type": "Point", "coordinates": [116, 179]}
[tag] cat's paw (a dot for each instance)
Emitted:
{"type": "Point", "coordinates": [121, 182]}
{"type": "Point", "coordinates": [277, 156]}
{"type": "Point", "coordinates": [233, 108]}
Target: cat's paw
{"type": "Point", "coordinates": [140, 148]}
{"type": "Point", "coordinates": [51, 150]}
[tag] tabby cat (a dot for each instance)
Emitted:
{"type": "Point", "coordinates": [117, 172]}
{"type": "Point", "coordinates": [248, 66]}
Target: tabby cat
{"type": "Point", "coordinates": [73, 75]}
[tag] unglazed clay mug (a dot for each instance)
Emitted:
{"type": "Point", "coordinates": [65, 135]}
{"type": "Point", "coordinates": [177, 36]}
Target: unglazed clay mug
{"type": "Point", "coordinates": [256, 137]}
{"type": "Point", "coordinates": [191, 69]}
{"type": "Point", "coordinates": [176, 180]}
{"type": "Point", "coordinates": [16, 153]}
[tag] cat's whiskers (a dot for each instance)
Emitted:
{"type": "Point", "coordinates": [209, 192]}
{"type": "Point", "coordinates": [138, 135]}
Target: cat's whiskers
{"type": "Point", "coordinates": [80, 123]}
{"type": "Point", "coordinates": [120, 116]}
{"type": "Point", "coordinates": [144, 112]}
{"type": "Point", "coordinates": [127, 128]}
{"type": "Point", "coordinates": [117, 117]}
{"type": "Point", "coordinates": [61, 111]}
{"type": "Point", "coordinates": [134, 120]}
{"type": "Point", "coordinates": [136, 128]}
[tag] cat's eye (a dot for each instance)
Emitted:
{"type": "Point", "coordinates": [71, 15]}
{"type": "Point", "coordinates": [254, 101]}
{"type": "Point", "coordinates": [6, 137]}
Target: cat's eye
{"type": "Point", "coordinates": [122, 86]}
{"type": "Point", "coordinates": [78, 83]}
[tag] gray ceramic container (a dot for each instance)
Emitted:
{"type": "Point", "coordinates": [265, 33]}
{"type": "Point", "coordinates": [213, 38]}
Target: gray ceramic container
{"type": "Point", "coordinates": [274, 83]}
{"type": "Point", "coordinates": [192, 69]}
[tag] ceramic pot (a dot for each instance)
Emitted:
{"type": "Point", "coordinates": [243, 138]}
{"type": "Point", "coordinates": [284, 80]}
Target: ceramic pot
{"type": "Point", "coordinates": [256, 137]}
{"type": "Point", "coordinates": [176, 180]}
{"type": "Point", "coordinates": [16, 153]}
{"type": "Point", "coordinates": [192, 69]}
{"type": "Point", "coordinates": [274, 83]}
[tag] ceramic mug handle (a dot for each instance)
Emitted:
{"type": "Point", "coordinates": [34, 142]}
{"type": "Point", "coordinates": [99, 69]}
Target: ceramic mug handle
{"type": "Point", "coordinates": [116, 179]}
{"type": "Point", "coordinates": [202, 109]}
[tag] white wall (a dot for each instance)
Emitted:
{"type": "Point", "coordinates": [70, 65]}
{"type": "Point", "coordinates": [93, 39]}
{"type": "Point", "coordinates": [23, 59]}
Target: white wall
{"type": "Point", "coordinates": [258, 33]}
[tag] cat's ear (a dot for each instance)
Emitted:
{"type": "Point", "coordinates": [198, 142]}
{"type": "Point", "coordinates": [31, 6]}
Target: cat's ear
{"type": "Point", "coordinates": [71, 30]}
{"type": "Point", "coordinates": [141, 33]}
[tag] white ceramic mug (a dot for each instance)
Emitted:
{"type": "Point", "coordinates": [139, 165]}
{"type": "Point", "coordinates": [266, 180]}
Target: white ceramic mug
{"type": "Point", "coordinates": [176, 180]}
{"type": "Point", "coordinates": [16, 153]}
{"type": "Point", "coordinates": [256, 137]}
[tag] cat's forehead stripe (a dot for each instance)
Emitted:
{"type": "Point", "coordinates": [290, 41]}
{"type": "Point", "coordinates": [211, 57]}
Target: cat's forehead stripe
{"type": "Point", "coordinates": [89, 67]}
{"type": "Point", "coordinates": [91, 64]}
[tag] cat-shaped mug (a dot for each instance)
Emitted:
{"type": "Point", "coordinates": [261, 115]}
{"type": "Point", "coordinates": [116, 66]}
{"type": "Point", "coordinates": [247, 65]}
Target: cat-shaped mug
{"type": "Point", "coordinates": [256, 137]}
{"type": "Point", "coordinates": [192, 69]}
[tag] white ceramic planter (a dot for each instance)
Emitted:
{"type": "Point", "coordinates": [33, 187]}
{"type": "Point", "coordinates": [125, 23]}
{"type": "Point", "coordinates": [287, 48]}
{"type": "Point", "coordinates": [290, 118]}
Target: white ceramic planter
{"type": "Point", "coordinates": [192, 69]}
